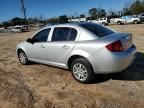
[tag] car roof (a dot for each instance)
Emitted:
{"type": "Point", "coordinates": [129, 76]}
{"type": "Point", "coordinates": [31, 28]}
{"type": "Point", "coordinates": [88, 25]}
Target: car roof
{"type": "Point", "coordinates": [127, 16]}
{"type": "Point", "coordinates": [76, 24]}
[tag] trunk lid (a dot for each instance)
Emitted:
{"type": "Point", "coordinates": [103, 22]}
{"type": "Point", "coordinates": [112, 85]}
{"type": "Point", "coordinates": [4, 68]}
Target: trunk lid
{"type": "Point", "coordinates": [125, 38]}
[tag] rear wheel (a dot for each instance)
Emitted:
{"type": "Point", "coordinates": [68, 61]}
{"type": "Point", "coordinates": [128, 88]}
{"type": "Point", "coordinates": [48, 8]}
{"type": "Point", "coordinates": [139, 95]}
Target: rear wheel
{"type": "Point", "coordinates": [119, 23]}
{"type": "Point", "coordinates": [135, 22]}
{"type": "Point", "coordinates": [22, 57]}
{"type": "Point", "coordinates": [82, 71]}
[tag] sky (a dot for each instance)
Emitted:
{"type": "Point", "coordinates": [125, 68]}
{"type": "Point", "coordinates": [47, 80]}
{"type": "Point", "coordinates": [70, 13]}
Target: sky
{"type": "Point", "coordinates": [53, 8]}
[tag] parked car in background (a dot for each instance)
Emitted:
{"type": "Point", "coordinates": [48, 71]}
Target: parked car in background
{"type": "Point", "coordinates": [2, 30]}
{"type": "Point", "coordinates": [141, 17]}
{"type": "Point", "coordinates": [131, 19]}
{"type": "Point", "coordinates": [19, 28]}
{"type": "Point", "coordinates": [77, 20]}
{"type": "Point", "coordinates": [84, 48]}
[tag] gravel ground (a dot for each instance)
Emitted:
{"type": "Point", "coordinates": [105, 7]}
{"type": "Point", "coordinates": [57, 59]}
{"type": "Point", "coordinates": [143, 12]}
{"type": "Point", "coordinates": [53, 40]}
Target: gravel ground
{"type": "Point", "coordinates": [41, 86]}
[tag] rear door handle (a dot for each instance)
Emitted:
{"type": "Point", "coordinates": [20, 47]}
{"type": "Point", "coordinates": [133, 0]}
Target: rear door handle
{"type": "Point", "coordinates": [66, 47]}
{"type": "Point", "coordinates": [42, 46]}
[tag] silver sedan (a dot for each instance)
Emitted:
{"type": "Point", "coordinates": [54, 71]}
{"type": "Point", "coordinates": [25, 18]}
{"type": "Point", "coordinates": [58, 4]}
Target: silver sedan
{"type": "Point", "coordinates": [84, 48]}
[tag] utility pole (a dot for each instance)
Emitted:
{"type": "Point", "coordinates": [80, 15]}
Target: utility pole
{"type": "Point", "coordinates": [23, 10]}
{"type": "Point", "coordinates": [99, 8]}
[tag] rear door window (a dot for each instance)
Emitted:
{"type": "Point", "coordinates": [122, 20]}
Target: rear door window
{"type": "Point", "coordinates": [64, 34]}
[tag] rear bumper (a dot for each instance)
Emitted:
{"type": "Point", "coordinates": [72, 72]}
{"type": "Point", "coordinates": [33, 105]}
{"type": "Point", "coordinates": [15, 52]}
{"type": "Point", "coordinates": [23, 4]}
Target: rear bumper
{"type": "Point", "coordinates": [115, 62]}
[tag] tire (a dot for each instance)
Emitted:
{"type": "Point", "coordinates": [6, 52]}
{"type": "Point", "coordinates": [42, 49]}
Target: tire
{"type": "Point", "coordinates": [22, 58]}
{"type": "Point", "coordinates": [135, 22]}
{"type": "Point", "coordinates": [82, 71]}
{"type": "Point", "coordinates": [103, 23]}
{"type": "Point", "coordinates": [119, 23]}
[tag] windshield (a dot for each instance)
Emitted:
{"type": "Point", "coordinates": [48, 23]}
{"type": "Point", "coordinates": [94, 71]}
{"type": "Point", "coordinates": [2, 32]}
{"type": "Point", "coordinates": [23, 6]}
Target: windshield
{"type": "Point", "coordinates": [127, 17]}
{"type": "Point", "coordinates": [97, 29]}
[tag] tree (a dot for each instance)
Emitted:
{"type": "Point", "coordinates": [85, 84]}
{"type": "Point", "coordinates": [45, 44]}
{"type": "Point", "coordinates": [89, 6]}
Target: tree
{"type": "Point", "coordinates": [63, 19]}
{"type": "Point", "coordinates": [72, 17]}
{"type": "Point", "coordinates": [119, 13]}
{"type": "Point", "coordinates": [1, 25]}
{"type": "Point", "coordinates": [136, 7]}
{"type": "Point", "coordinates": [93, 13]}
{"type": "Point", "coordinates": [31, 20]}
{"type": "Point", "coordinates": [6, 24]}
{"type": "Point", "coordinates": [102, 13]}
{"type": "Point", "coordinates": [17, 21]}
{"type": "Point", "coordinates": [82, 16]}
{"type": "Point", "coordinates": [41, 18]}
{"type": "Point", "coordinates": [53, 20]}
{"type": "Point", "coordinates": [126, 11]}
{"type": "Point", "coordinates": [88, 18]}
{"type": "Point", "coordinates": [112, 13]}
{"type": "Point", "coordinates": [142, 2]}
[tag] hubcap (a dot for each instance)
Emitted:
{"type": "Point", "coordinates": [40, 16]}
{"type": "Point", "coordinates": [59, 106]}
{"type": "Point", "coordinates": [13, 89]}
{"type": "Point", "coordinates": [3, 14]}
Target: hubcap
{"type": "Point", "coordinates": [22, 58]}
{"type": "Point", "coordinates": [103, 24]}
{"type": "Point", "coordinates": [135, 22]}
{"type": "Point", "coordinates": [80, 72]}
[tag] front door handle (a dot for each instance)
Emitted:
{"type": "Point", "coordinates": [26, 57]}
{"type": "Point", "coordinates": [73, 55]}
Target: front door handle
{"type": "Point", "coordinates": [66, 47]}
{"type": "Point", "coordinates": [42, 46]}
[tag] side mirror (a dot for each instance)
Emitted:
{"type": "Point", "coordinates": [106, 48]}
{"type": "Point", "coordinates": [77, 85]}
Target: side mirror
{"type": "Point", "coordinates": [29, 40]}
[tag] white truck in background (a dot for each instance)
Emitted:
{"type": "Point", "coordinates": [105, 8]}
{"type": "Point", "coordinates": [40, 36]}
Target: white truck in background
{"type": "Point", "coordinates": [126, 20]}
{"type": "Point", "coordinates": [131, 19]}
{"type": "Point", "coordinates": [118, 21]}
{"type": "Point", "coordinates": [101, 21]}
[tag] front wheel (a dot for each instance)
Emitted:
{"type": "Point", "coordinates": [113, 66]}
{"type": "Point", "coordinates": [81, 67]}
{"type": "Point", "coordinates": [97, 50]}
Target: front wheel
{"type": "Point", "coordinates": [82, 71]}
{"type": "Point", "coordinates": [103, 23]}
{"type": "Point", "coordinates": [22, 58]}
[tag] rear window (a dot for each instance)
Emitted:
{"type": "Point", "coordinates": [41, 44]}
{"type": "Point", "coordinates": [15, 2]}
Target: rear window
{"type": "Point", "coordinates": [97, 29]}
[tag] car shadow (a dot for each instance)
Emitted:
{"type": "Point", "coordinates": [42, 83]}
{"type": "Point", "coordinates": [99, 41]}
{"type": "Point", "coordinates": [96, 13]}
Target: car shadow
{"type": "Point", "coordinates": [100, 78]}
{"type": "Point", "coordinates": [133, 73]}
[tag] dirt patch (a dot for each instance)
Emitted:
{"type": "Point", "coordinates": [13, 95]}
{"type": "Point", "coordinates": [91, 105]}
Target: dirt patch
{"type": "Point", "coordinates": [14, 92]}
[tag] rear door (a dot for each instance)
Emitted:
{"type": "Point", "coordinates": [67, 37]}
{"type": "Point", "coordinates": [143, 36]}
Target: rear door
{"type": "Point", "coordinates": [62, 44]}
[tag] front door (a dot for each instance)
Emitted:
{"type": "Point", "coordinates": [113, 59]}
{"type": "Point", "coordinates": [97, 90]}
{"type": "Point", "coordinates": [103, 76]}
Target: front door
{"type": "Point", "coordinates": [37, 50]}
{"type": "Point", "coordinates": [52, 52]}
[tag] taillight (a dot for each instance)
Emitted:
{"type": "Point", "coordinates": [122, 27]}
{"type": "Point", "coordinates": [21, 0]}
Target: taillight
{"type": "Point", "coordinates": [115, 46]}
